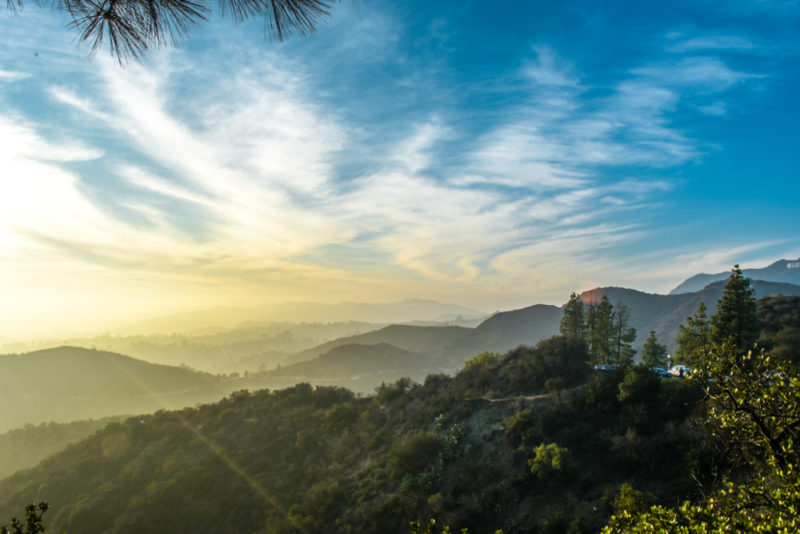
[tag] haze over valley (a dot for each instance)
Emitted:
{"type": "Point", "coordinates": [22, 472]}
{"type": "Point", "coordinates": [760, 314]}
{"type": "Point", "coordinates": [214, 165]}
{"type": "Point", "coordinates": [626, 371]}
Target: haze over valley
{"type": "Point", "coordinates": [294, 266]}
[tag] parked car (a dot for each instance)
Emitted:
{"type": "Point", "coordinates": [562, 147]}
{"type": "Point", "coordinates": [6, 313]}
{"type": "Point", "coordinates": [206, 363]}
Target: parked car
{"type": "Point", "coordinates": [604, 367]}
{"type": "Point", "coordinates": [681, 371]}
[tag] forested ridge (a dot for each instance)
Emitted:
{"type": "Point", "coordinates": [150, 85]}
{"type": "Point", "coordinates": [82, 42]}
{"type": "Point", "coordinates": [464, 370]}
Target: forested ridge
{"type": "Point", "coordinates": [533, 440]}
{"type": "Point", "coordinates": [321, 459]}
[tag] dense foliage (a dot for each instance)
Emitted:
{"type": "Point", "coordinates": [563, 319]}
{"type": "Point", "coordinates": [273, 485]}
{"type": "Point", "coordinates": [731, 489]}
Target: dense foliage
{"type": "Point", "coordinates": [779, 321]}
{"type": "Point", "coordinates": [32, 523]}
{"type": "Point", "coordinates": [25, 447]}
{"type": "Point", "coordinates": [605, 329]}
{"type": "Point", "coordinates": [533, 440]}
{"type": "Point", "coordinates": [654, 354]}
{"type": "Point", "coordinates": [461, 449]}
{"type": "Point", "coordinates": [754, 416]}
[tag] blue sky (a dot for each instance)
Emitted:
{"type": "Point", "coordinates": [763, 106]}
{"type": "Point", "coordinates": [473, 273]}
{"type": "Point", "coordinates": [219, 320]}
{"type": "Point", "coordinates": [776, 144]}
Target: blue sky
{"type": "Point", "coordinates": [492, 156]}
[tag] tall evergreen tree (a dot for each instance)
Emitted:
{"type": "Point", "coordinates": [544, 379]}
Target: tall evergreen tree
{"type": "Point", "coordinates": [590, 317]}
{"type": "Point", "coordinates": [624, 335]}
{"type": "Point", "coordinates": [602, 336]}
{"type": "Point", "coordinates": [694, 339]}
{"type": "Point", "coordinates": [573, 323]}
{"type": "Point", "coordinates": [654, 354]}
{"type": "Point", "coordinates": [735, 322]}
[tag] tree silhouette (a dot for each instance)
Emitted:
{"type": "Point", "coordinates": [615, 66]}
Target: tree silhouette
{"type": "Point", "coordinates": [694, 339]}
{"type": "Point", "coordinates": [573, 323]}
{"type": "Point", "coordinates": [132, 27]}
{"type": "Point", "coordinates": [33, 521]}
{"type": "Point", "coordinates": [654, 354]}
{"type": "Point", "coordinates": [736, 321]}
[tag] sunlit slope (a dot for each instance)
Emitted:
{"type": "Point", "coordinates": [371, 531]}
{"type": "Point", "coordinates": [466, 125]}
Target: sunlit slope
{"type": "Point", "coordinates": [70, 383]}
{"type": "Point", "coordinates": [23, 448]}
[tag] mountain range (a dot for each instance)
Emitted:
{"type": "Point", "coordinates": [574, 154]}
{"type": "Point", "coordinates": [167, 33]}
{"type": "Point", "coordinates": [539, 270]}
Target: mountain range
{"type": "Point", "coordinates": [226, 317]}
{"type": "Point", "coordinates": [69, 383]}
{"type": "Point", "coordinates": [444, 349]}
{"type": "Point", "coordinates": [787, 271]}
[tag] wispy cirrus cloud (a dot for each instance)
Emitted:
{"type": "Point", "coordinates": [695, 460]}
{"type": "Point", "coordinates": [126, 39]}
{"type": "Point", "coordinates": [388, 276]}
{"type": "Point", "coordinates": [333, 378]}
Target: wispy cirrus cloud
{"type": "Point", "coordinates": [707, 43]}
{"type": "Point", "coordinates": [290, 172]}
{"type": "Point", "coordinates": [257, 167]}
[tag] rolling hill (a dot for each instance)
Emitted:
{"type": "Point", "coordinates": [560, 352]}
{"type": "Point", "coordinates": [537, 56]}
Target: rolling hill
{"type": "Point", "coordinates": [69, 383]}
{"type": "Point", "coordinates": [420, 339]}
{"type": "Point", "coordinates": [360, 368]}
{"type": "Point", "coordinates": [503, 331]}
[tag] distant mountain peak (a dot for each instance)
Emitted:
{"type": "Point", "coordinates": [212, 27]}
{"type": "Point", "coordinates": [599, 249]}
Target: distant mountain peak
{"type": "Point", "coordinates": [785, 271]}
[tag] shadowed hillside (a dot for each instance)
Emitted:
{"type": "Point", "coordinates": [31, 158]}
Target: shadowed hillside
{"type": "Point", "coordinates": [360, 368]}
{"type": "Point", "coordinates": [505, 330]}
{"type": "Point", "coordinates": [420, 339]}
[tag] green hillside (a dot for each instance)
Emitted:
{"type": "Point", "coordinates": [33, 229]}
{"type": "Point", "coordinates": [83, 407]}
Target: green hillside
{"type": "Point", "coordinates": [23, 448]}
{"type": "Point", "coordinates": [320, 459]}
{"type": "Point", "coordinates": [71, 383]}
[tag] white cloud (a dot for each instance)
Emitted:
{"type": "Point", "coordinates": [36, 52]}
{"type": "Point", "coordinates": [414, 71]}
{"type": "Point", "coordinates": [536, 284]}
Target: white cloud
{"type": "Point", "coordinates": [710, 42]}
{"type": "Point", "coordinates": [703, 74]}
{"type": "Point", "coordinates": [550, 70]}
{"type": "Point", "coordinates": [414, 153]}
{"type": "Point", "coordinates": [12, 76]}
{"type": "Point", "coordinates": [250, 158]}
{"type": "Point", "coordinates": [18, 139]}
{"type": "Point", "coordinates": [718, 108]}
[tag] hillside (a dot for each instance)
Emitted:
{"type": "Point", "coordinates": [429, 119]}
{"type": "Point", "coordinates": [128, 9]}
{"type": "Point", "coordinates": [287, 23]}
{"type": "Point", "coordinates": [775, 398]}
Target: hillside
{"type": "Point", "coordinates": [786, 271]}
{"type": "Point", "coordinates": [419, 339]}
{"type": "Point", "coordinates": [360, 368]}
{"type": "Point", "coordinates": [323, 460]}
{"type": "Point", "coordinates": [70, 383]}
{"type": "Point", "coordinates": [364, 361]}
{"type": "Point", "coordinates": [504, 331]}
{"type": "Point", "coordinates": [251, 346]}
{"type": "Point", "coordinates": [665, 313]}
{"type": "Point", "coordinates": [23, 448]}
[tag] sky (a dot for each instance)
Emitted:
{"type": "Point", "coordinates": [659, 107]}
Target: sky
{"type": "Point", "coordinates": [487, 154]}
